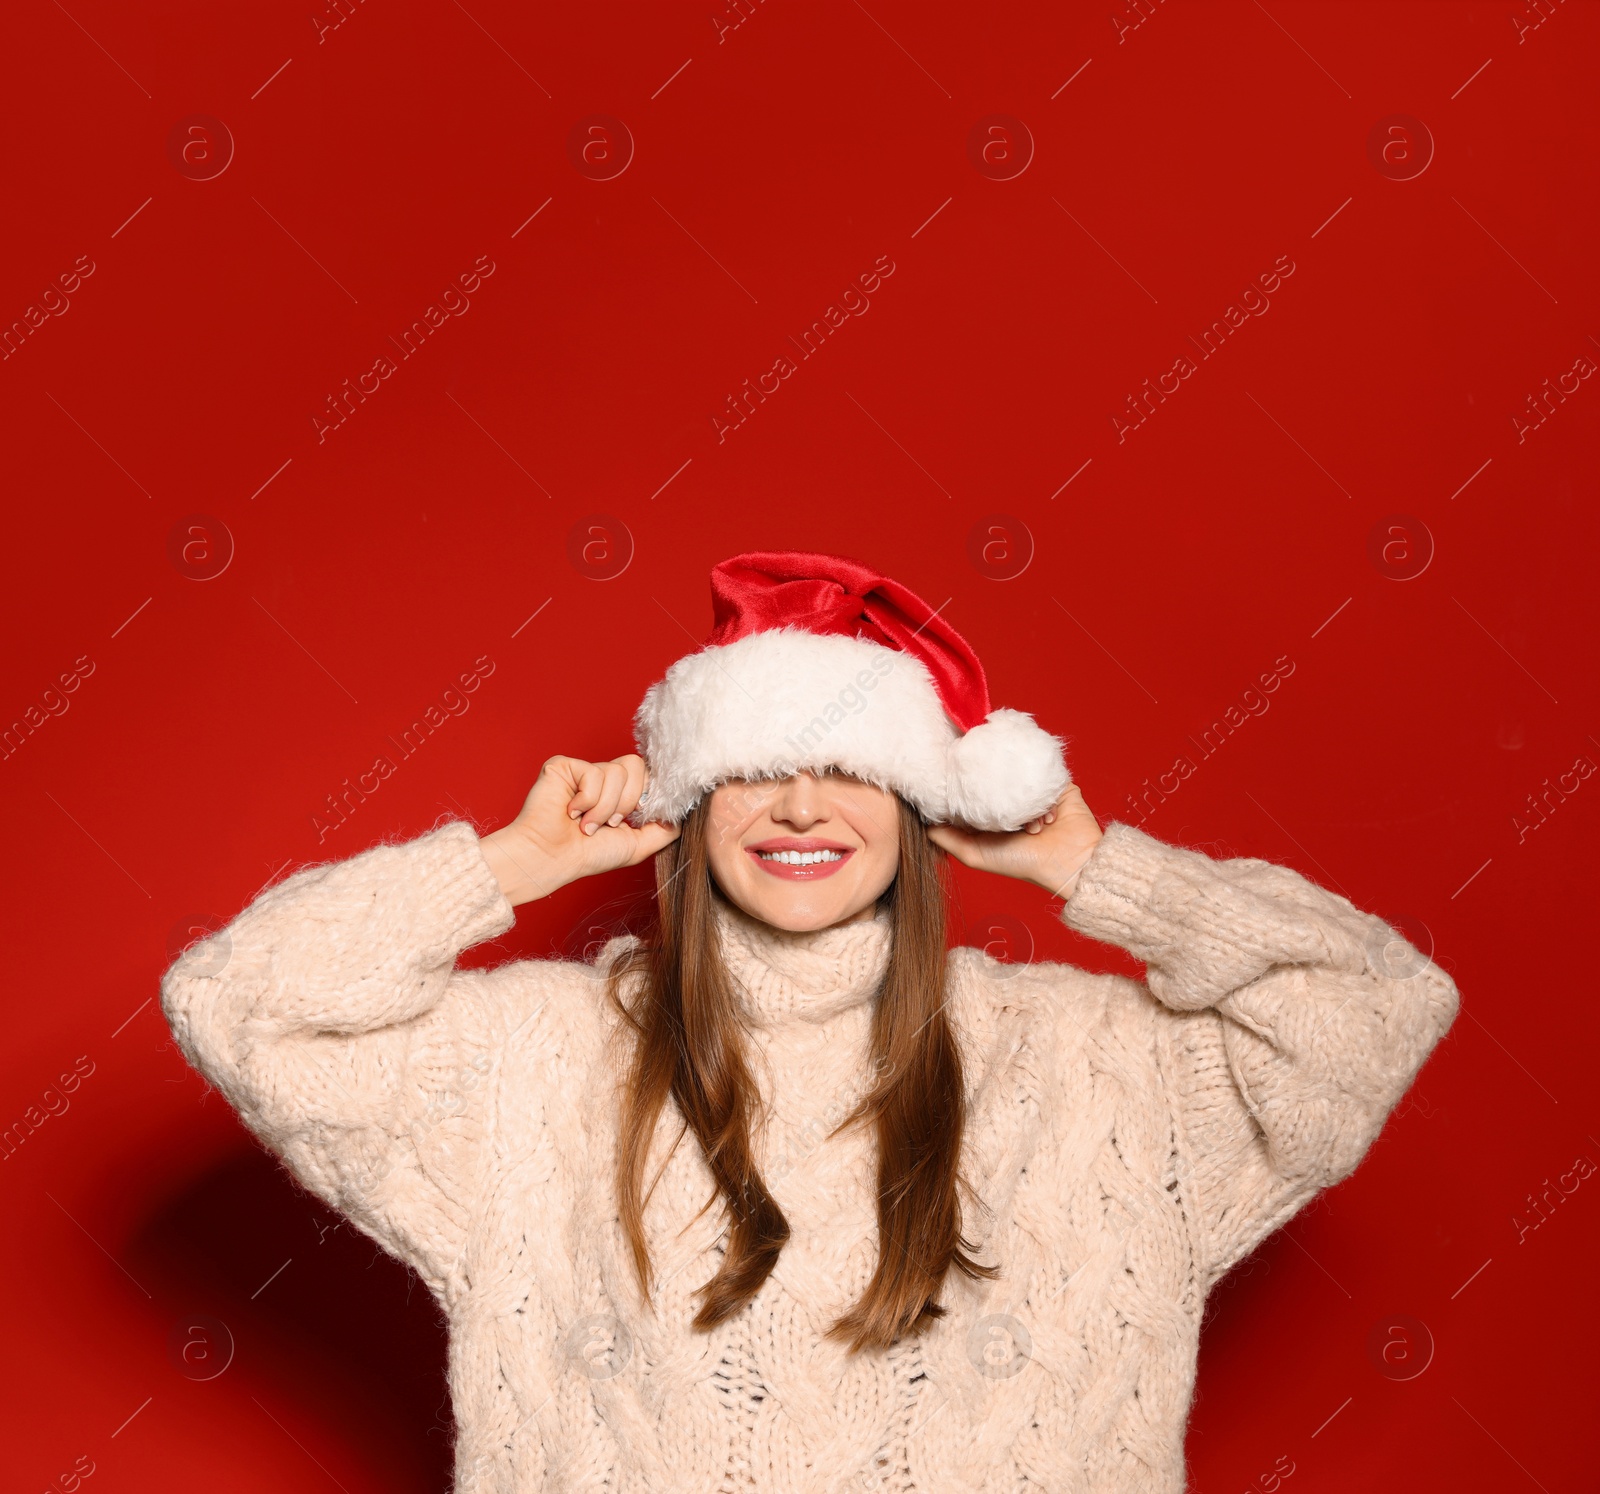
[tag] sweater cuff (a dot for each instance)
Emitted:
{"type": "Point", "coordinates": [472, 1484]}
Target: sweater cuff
{"type": "Point", "coordinates": [1112, 900]}
{"type": "Point", "coordinates": [1179, 912]}
{"type": "Point", "coordinates": [1112, 894]}
{"type": "Point", "coordinates": [461, 903]}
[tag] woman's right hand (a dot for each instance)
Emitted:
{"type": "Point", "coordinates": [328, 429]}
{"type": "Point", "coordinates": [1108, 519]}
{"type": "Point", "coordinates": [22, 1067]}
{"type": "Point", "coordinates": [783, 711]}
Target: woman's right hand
{"type": "Point", "coordinates": [574, 824]}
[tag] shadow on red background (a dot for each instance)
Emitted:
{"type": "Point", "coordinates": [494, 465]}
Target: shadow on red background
{"type": "Point", "coordinates": [236, 575]}
{"type": "Point", "coordinates": [316, 1314]}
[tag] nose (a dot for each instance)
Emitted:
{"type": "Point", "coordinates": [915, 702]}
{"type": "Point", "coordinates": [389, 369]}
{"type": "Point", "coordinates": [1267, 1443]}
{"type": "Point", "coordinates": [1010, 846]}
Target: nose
{"type": "Point", "coordinates": [800, 802]}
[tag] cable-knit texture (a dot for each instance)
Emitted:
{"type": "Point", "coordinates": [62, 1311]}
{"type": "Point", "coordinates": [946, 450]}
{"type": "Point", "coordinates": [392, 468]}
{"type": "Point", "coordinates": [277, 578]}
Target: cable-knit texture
{"type": "Point", "coordinates": [1127, 1142]}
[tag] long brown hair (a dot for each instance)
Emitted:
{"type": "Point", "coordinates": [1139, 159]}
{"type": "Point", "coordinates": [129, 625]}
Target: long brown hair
{"type": "Point", "coordinates": [690, 1046]}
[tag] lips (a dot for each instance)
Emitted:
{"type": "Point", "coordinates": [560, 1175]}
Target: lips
{"type": "Point", "coordinates": [799, 858]}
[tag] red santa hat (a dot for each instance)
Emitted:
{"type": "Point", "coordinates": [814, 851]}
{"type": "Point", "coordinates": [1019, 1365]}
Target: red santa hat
{"type": "Point", "coordinates": [818, 662]}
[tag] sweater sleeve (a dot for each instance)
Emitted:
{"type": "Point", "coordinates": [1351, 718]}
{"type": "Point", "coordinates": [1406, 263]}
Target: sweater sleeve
{"type": "Point", "coordinates": [331, 1018]}
{"type": "Point", "coordinates": [1291, 1023]}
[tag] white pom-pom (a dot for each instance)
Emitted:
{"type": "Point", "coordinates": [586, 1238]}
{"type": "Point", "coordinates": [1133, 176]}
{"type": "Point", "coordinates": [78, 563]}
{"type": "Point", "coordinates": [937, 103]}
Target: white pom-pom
{"type": "Point", "coordinates": [1005, 772]}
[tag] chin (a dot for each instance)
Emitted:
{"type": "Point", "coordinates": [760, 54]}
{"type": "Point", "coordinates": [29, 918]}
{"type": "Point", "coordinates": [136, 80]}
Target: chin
{"type": "Point", "coordinates": [796, 910]}
{"type": "Point", "coordinates": [805, 922]}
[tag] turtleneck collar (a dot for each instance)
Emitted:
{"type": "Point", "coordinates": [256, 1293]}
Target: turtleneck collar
{"type": "Point", "coordinates": [783, 977]}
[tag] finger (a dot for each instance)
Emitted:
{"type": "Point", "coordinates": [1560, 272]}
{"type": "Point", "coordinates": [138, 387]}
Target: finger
{"type": "Point", "coordinates": [557, 776]}
{"type": "Point", "coordinates": [560, 769]}
{"type": "Point", "coordinates": [613, 776]}
{"type": "Point", "coordinates": [948, 838]}
{"type": "Point", "coordinates": [590, 779]}
{"type": "Point", "coordinates": [649, 839]}
{"type": "Point", "coordinates": [633, 766]}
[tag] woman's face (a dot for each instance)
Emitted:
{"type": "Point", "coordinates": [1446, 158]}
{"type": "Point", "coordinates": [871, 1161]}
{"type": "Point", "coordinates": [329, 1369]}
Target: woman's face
{"type": "Point", "coordinates": [805, 852]}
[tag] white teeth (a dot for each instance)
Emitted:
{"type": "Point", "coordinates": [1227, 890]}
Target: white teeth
{"type": "Point", "coordinates": [800, 858]}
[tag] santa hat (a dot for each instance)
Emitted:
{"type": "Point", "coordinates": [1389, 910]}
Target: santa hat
{"type": "Point", "coordinates": [819, 662]}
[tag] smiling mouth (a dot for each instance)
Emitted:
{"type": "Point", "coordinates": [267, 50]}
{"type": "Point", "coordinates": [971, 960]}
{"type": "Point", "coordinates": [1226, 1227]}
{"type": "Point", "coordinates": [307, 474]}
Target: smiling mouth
{"type": "Point", "coordinates": [799, 860]}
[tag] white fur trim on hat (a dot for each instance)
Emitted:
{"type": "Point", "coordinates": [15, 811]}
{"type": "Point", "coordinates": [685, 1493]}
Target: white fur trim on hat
{"type": "Point", "coordinates": [773, 703]}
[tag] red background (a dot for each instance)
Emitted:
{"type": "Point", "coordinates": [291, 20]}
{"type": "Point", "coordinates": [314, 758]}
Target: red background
{"type": "Point", "coordinates": [771, 168]}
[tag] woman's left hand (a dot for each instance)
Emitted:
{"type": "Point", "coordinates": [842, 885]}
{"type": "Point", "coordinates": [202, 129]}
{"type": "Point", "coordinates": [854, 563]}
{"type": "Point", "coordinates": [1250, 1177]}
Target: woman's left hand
{"type": "Point", "coordinates": [1050, 850]}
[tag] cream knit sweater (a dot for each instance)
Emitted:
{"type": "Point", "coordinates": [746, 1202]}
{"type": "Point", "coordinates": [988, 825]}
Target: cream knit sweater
{"type": "Point", "coordinates": [1128, 1143]}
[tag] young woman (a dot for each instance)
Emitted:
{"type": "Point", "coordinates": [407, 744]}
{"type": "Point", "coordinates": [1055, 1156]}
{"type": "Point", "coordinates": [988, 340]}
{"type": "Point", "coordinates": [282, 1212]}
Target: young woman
{"type": "Point", "coordinates": [786, 1197]}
